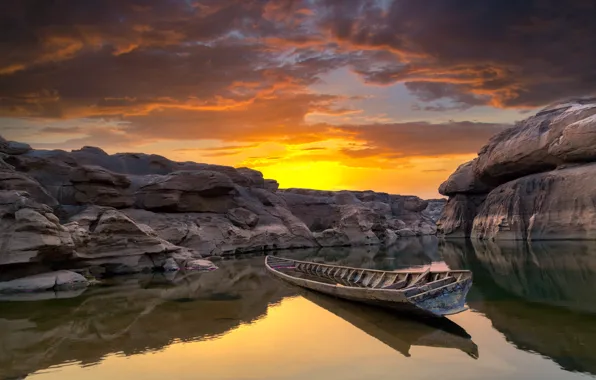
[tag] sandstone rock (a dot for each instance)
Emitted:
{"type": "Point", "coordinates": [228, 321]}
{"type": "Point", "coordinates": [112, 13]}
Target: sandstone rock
{"type": "Point", "coordinates": [13, 147]}
{"type": "Point", "coordinates": [275, 227]}
{"type": "Point", "coordinates": [111, 233]}
{"type": "Point", "coordinates": [315, 209]}
{"type": "Point", "coordinates": [254, 177]}
{"type": "Point", "coordinates": [30, 232]}
{"type": "Point", "coordinates": [188, 191]}
{"type": "Point", "coordinates": [553, 205]}
{"type": "Point", "coordinates": [97, 174]}
{"type": "Point", "coordinates": [434, 209]}
{"type": "Point", "coordinates": [271, 185]}
{"type": "Point", "coordinates": [51, 281]}
{"type": "Point", "coordinates": [12, 180]}
{"type": "Point", "coordinates": [3, 164]}
{"type": "Point", "coordinates": [345, 198]}
{"type": "Point", "coordinates": [406, 232]}
{"type": "Point", "coordinates": [464, 181]}
{"type": "Point", "coordinates": [458, 215]}
{"type": "Point", "coordinates": [526, 148]}
{"type": "Point", "coordinates": [330, 215]}
{"type": "Point", "coordinates": [530, 164]}
{"type": "Point", "coordinates": [109, 239]}
{"type": "Point", "coordinates": [242, 217]}
{"type": "Point", "coordinates": [96, 185]}
{"type": "Point", "coordinates": [170, 265]}
{"type": "Point", "coordinates": [199, 265]}
{"type": "Point", "coordinates": [577, 142]}
{"type": "Point", "coordinates": [51, 169]}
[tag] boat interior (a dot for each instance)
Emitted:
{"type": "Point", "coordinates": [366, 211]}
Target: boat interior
{"type": "Point", "coordinates": [411, 282]}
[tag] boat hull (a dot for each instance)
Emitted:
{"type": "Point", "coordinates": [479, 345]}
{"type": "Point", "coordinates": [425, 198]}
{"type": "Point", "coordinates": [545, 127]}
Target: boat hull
{"type": "Point", "coordinates": [436, 303]}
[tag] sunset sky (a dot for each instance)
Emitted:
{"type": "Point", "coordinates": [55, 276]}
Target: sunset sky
{"type": "Point", "coordinates": [327, 94]}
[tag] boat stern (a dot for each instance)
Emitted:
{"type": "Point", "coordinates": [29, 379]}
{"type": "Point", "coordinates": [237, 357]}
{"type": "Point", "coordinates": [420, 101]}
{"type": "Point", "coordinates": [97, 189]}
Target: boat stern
{"type": "Point", "coordinates": [444, 301]}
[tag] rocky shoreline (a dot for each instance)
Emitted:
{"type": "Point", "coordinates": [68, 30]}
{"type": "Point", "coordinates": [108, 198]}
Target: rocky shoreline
{"type": "Point", "coordinates": [534, 181]}
{"type": "Point", "coordinates": [100, 215]}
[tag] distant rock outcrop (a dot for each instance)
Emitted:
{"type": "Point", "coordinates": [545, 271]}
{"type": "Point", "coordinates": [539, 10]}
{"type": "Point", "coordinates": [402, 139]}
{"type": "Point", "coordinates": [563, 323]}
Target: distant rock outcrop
{"type": "Point", "coordinates": [531, 182]}
{"type": "Point", "coordinates": [87, 210]}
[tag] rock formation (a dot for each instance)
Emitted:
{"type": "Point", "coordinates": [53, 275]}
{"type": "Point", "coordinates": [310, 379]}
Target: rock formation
{"type": "Point", "coordinates": [531, 182]}
{"type": "Point", "coordinates": [102, 214]}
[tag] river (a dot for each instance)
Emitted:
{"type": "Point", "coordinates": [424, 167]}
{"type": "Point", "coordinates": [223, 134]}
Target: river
{"type": "Point", "coordinates": [532, 316]}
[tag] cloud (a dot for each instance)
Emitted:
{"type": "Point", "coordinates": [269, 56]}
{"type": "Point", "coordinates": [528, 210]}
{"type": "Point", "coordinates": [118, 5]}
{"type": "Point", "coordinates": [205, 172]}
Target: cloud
{"type": "Point", "coordinates": [244, 72]}
{"type": "Point", "coordinates": [509, 54]}
{"type": "Point", "coordinates": [434, 170]}
{"type": "Point", "coordinates": [85, 59]}
{"type": "Point", "coordinates": [218, 148]}
{"type": "Point", "coordinates": [61, 130]}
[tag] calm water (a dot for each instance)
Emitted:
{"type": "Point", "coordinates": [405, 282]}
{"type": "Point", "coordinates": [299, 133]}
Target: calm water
{"type": "Point", "coordinates": [532, 316]}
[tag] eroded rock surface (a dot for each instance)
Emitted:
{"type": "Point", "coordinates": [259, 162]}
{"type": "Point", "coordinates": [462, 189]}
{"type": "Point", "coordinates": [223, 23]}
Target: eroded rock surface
{"type": "Point", "coordinates": [531, 182]}
{"type": "Point", "coordinates": [132, 212]}
{"type": "Point", "coordinates": [360, 217]}
{"type": "Point", "coordinates": [30, 232]}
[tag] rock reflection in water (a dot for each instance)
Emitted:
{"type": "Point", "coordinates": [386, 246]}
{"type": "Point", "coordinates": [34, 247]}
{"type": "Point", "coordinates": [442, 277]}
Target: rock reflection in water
{"type": "Point", "coordinates": [405, 253]}
{"type": "Point", "coordinates": [398, 333]}
{"type": "Point", "coordinates": [136, 315]}
{"type": "Point", "coordinates": [540, 296]}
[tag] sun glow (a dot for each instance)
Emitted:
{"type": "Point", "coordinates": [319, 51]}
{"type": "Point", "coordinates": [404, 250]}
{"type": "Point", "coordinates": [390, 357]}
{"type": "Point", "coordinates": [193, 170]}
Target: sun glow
{"type": "Point", "coordinates": [326, 175]}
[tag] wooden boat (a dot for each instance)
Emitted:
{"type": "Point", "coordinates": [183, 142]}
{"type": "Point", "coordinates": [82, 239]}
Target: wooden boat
{"type": "Point", "coordinates": [427, 292]}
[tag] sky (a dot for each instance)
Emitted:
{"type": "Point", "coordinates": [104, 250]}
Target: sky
{"type": "Point", "coordinates": [327, 94]}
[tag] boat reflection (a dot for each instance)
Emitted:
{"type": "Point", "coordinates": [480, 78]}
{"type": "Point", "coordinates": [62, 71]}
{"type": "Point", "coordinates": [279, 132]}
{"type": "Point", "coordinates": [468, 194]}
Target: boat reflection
{"type": "Point", "coordinates": [397, 332]}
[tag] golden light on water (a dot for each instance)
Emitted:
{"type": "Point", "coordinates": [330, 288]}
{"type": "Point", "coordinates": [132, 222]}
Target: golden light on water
{"type": "Point", "coordinates": [300, 340]}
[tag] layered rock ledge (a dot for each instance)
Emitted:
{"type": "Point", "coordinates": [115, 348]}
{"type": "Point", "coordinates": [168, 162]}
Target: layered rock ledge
{"type": "Point", "coordinates": [534, 181]}
{"type": "Point", "coordinates": [102, 214]}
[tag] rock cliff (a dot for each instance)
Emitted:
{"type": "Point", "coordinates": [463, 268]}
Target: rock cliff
{"type": "Point", "coordinates": [102, 214]}
{"type": "Point", "coordinates": [531, 182]}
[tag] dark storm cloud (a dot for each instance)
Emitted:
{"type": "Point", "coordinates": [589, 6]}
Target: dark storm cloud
{"type": "Point", "coordinates": [239, 70]}
{"type": "Point", "coordinates": [508, 53]}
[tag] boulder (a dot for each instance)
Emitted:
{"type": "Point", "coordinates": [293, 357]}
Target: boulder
{"type": "Point", "coordinates": [30, 232]}
{"type": "Point", "coordinates": [51, 169]}
{"type": "Point", "coordinates": [98, 186]}
{"type": "Point", "coordinates": [12, 180]}
{"type": "Point", "coordinates": [200, 265]}
{"type": "Point", "coordinates": [187, 191]}
{"type": "Point", "coordinates": [527, 181]}
{"type": "Point", "coordinates": [108, 238]}
{"type": "Point", "coordinates": [540, 143]}
{"type": "Point", "coordinates": [577, 142]}
{"type": "Point", "coordinates": [271, 185]}
{"type": "Point", "coordinates": [13, 147]}
{"type": "Point", "coordinates": [243, 218]}
{"type": "Point", "coordinates": [62, 280]}
{"type": "Point", "coordinates": [464, 181]}
{"type": "Point", "coordinates": [553, 205]}
{"type": "Point", "coordinates": [254, 177]}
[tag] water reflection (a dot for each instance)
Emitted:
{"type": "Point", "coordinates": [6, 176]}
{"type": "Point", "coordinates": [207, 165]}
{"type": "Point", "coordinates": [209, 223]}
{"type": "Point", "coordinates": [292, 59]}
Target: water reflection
{"type": "Point", "coordinates": [540, 295]}
{"type": "Point", "coordinates": [398, 333]}
{"type": "Point", "coordinates": [405, 253]}
{"type": "Point", "coordinates": [137, 315]}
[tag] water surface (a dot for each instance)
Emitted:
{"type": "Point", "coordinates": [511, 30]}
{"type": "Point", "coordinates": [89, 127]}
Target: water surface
{"type": "Point", "coordinates": [532, 316]}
